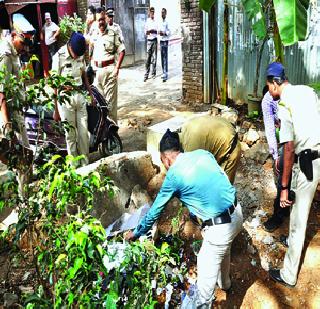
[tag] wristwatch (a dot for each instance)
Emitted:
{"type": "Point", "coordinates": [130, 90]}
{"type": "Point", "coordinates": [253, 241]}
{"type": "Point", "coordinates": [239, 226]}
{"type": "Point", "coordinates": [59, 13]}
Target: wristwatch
{"type": "Point", "coordinates": [284, 187]}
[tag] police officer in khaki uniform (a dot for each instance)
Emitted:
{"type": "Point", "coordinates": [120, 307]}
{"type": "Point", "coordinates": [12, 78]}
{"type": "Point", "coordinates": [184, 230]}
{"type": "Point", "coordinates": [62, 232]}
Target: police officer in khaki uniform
{"type": "Point", "coordinates": [299, 114]}
{"type": "Point", "coordinates": [111, 24]}
{"type": "Point", "coordinates": [69, 61]}
{"type": "Point", "coordinates": [107, 45]}
{"type": "Point", "coordinates": [12, 118]}
{"type": "Point", "coordinates": [214, 134]}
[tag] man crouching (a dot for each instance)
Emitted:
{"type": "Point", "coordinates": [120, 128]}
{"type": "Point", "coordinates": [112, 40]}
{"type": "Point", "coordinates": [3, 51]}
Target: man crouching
{"type": "Point", "coordinates": [203, 187]}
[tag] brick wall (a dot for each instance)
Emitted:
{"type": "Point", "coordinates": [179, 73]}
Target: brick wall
{"type": "Point", "coordinates": [192, 52]}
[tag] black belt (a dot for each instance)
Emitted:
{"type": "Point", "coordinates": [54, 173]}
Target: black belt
{"type": "Point", "coordinates": [151, 40]}
{"type": "Point", "coordinates": [222, 218]}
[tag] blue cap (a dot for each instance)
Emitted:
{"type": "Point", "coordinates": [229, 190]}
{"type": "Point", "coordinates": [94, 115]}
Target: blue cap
{"type": "Point", "coordinates": [275, 69]}
{"type": "Point", "coordinates": [78, 43]}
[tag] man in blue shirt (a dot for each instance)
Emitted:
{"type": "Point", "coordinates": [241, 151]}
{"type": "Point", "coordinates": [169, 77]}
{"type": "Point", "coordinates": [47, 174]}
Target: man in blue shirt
{"type": "Point", "coordinates": [202, 186]}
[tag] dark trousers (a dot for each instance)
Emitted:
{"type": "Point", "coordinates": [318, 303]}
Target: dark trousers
{"type": "Point", "coordinates": [152, 47]}
{"type": "Point", "coordinates": [278, 211]}
{"type": "Point", "coordinates": [53, 48]}
{"type": "Point", "coordinates": [164, 59]}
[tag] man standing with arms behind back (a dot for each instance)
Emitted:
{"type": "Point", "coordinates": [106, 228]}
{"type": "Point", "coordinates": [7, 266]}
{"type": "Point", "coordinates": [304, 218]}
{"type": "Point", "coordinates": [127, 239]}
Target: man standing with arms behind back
{"type": "Point", "coordinates": [106, 64]}
{"type": "Point", "coordinates": [164, 42]}
{"type": "Point", "coordinates": [111, 24]}
{"type": "Point", "coordinates": [299, 114]}
{"type": "Point", "coordinates": [150, 31]}
{"type": "Point", "coordinates": [50, 32]}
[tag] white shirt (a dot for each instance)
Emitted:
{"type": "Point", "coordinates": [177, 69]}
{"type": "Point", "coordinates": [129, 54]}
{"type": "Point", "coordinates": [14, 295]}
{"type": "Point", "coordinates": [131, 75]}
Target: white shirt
{"type": "Point", "coordinates": [299, 113]}
{"type": "Point", "coordinates": [49, 31]}
{"type": "Point", "coordinates": [150, 25]}
{"type": "Point", "coordinates": [164, 27]}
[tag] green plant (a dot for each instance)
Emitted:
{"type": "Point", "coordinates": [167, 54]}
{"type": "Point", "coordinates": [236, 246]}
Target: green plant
{"type": "Point", "coordinates": [76, 266]}
{"type": "Point", "coordinates": [69, 24]}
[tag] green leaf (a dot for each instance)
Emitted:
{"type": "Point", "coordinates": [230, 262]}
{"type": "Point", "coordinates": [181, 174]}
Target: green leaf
{"type": "Point", "coordinates": [58, 243]}
{"type": "Point", "coordinates": [95, 179]}
{"type": "Point", "coordinates": [77, 265]}
{"type": "Point", "coordinates": [60, 258]}
{"type": "Point", "coordinates": [70, 298]}
{"type": "Point", "coordinates": [111, 302]}
{"type": "Point", "coordinates": [100, 250]}
{"type": "Point", "coordinates": [164, 247]}
{"type": "Point", "coordinates": [206, 5]}
{"type": "Point", "coordinates": [53, 186]}
{"type": "Point", "coordinates": [292, 20]}
{"type": "Point", "coordinates": [80, 238]}
{"type": "Point", "coordinates": [255, 15]}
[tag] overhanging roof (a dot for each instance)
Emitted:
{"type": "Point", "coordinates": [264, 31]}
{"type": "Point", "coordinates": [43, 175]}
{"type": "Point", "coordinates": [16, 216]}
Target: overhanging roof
{"type": "Point", "coordinates": [14, 5]}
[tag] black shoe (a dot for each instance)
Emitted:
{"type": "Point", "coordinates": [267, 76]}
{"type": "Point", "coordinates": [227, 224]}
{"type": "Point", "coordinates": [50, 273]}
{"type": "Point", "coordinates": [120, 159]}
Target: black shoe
{"type": "Point", "coordinates": [153, 76]}
{"type": "Point", "coordinates": [272, 224]}
{"type": "Point", "coordinates": [145, 79]}
{"type": "Point", "coordinates": [284, 240]}
{"type": "Point", "coordinates": [275, 275]}
{"type": "Point", "coordinates": [164, 80]}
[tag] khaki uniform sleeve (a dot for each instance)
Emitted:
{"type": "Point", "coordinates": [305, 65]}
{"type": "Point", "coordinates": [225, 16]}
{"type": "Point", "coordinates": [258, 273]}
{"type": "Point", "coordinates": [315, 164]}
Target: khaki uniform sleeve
{"type": "Point", "coordinates": [286, 124]}
{"type": "Point", "coordinates": [4, 65]}
{"type": "Point", "coordinates": [119, 43]}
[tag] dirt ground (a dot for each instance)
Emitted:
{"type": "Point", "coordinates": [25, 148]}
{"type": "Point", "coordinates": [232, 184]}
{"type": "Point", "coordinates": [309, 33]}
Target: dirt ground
{"type": "Point", "coordinates": [142, 104]}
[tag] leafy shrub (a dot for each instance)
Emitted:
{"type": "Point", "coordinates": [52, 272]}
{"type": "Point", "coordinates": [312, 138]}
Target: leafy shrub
{"type": "Point", "coordinates": [76, 266]}
{"type": "Point", "coordinates": [69, 24]}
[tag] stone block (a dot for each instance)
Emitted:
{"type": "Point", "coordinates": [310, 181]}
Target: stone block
{"type": "Point", "coordinates": [258, 152]}
{"type": "Point", "coordinates": [131, 172]}
{"type": "Point", "coordinates": [251, 137]}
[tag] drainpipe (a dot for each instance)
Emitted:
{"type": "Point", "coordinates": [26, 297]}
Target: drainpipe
{"type": "Point", "coordinates": [206, 58]}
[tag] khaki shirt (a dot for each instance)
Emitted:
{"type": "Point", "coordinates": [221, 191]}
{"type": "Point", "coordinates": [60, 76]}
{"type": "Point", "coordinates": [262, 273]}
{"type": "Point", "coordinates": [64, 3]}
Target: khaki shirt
{"type": "Point", "coordinates": [299, 114]}
{"type": "Point", "coordinates": [210, 133]}
{"type": "Point", "coordinates": [107, 45]}
{"type": "Point", "coordinates": [65, 65]}
{"type": "Point", "coordinates": [9, 59]}
{"type": "Point", "coordinates": [117, 29]}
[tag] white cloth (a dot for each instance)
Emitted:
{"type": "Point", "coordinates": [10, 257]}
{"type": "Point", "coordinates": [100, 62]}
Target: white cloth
{"type": "Point", "coordinates": [164, 27]}
{"type": "Point", "coordinates": [49, 31]}
{"type": "Point", "coordinates": [213, 261]}
{"type": "Point", "coordinates": [299, 113]}
{"type": "Point", "coordinates": [151, 24]}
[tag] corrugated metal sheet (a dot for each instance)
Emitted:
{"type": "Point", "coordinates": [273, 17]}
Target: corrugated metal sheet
{"type": "Point", "coordinates": [302, 60]}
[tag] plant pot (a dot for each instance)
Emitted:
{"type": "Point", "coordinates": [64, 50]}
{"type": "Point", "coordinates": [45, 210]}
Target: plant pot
{"type": "Point", "coordinates": [254, 106]}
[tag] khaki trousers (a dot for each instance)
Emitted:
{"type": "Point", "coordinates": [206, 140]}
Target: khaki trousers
{"type": "Point", "coordinates": [107, 84]}
{"type": "Point", "coordinates": [305, 191]}
{"type": "Point", "coordinates": [213, 261]}
{"type": "Point", "coordinates": [77, 137]}
{"type": "Point", "coordinates": [23, 176]}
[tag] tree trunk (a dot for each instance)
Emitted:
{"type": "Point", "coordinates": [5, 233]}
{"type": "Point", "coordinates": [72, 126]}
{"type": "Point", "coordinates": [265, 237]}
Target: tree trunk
{"type": "Point", "coordinates": [278, 44]}
{"type": "Point", "coordinates": [259, 56]}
